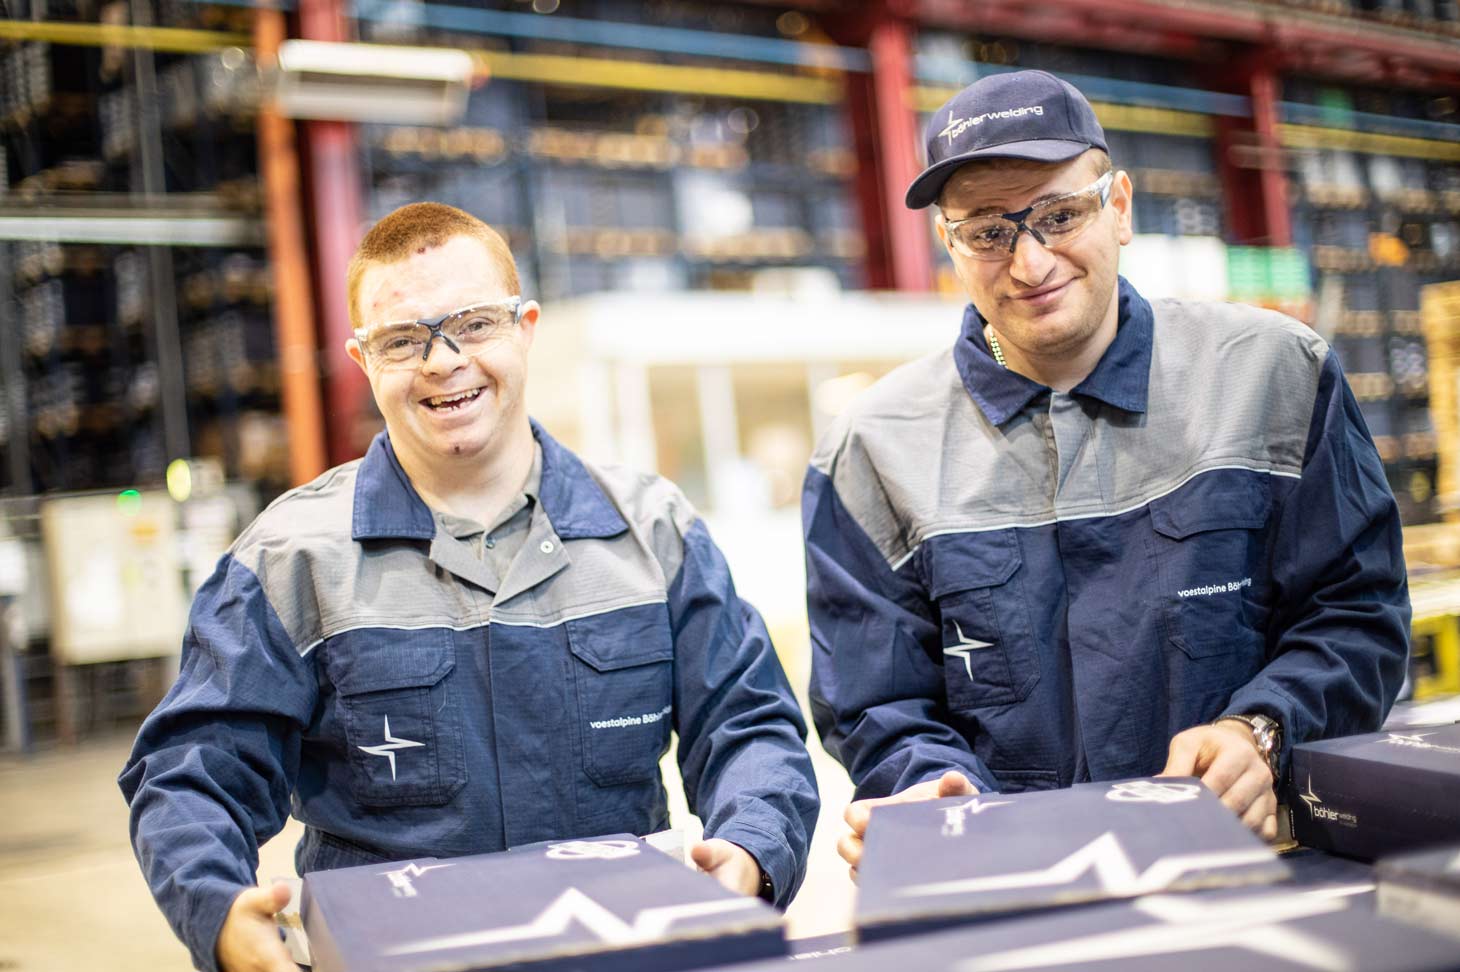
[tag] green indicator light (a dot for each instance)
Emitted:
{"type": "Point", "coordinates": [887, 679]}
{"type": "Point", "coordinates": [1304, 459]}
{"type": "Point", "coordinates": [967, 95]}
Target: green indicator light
{"type": "Point", "coordinates": [129, 502]}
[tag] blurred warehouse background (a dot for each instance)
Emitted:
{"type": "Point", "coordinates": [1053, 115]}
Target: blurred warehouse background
{"type": "Point", "coordinates": [705, 197]}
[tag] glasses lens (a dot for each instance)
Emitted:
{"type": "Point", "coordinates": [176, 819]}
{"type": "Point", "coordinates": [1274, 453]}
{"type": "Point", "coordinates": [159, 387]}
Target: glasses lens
{"type": "Point", "coordinates": [984, 237]}
{"type": "Point", "coordinates": [478, 326]}
{"type": "Point", "coordinates": [398, 342]}
{"type": "Point", "coordinates": [1060, 219]}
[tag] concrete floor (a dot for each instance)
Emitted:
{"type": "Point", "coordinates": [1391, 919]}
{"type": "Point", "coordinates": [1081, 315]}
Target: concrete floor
{"type": "Point", "coordinates": [74, 899]}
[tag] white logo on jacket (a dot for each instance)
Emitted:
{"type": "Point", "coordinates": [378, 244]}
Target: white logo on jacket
{"type": "Point", "coordinates": [964, 646]}
{"type": "Point", "coordinates": [389, 747]}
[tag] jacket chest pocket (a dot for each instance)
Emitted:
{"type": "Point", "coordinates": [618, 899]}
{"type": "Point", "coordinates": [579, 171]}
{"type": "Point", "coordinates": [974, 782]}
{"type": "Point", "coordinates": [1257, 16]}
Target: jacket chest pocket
{"type": "Point", "coordinates": [402, 730]}
{"type": "Point", "coordinates": [1211, 561]}
{"type": "Point", "coordinates": [623, 675]}
{"type": "Point", "coordinates": [988, 651]}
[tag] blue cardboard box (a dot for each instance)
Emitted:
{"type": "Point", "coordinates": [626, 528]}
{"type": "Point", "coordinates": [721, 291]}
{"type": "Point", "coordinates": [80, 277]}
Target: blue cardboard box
{"type": "Point", "coordinates": [941, 862]}
{"type": "Point", "coordinates": [1275, 929]}
{"type": "Point", "coordinates": [612, 903]}
{"type": "Point", "coordinates": [1378, 793]}
{"type": "Point", "coordinates": [1423, 888]}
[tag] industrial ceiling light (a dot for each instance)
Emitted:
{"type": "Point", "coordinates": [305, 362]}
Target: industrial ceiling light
{"type": "Point", "coordinates": [372, 82]}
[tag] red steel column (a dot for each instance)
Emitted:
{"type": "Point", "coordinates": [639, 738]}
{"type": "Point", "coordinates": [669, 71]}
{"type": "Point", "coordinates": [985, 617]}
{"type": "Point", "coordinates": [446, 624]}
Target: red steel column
{"type": "Point", "coordinates": [1265, 89]}
{"type": "Point", "coordinates": [294, 331]}
{"type": "Point", "coordinates": [885, 128]}
{"type": "Point", "coordinates": [337, 188]}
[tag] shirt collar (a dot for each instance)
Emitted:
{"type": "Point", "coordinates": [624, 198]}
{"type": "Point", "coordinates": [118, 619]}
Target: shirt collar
{"type": "Point", "coordinates": [388, 506]}
{"type": "Point", "coordinates": [1121, 378]}
{"type": "Point", "coordinates": [520, 507]}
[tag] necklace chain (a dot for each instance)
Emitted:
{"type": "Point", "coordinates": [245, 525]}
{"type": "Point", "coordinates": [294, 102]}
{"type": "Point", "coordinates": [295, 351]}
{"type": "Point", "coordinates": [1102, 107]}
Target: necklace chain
{"type": "Point", "coordinates": [994, 347]}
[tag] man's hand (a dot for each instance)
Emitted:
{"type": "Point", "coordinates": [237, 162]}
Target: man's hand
{"type": "Point", "coordinates": [858, 812]}
{"type": "Point", "coordinates": [728, 863]}
{"type": "Point", "coordinates": [1225, 757]}
{"type": "Point", "coordinates": [249, 940]}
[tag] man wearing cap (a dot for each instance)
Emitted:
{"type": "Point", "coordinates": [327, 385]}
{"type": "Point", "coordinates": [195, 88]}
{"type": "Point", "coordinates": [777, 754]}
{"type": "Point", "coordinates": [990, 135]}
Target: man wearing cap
{"type": "Point", "coordinates": [1099, 536]}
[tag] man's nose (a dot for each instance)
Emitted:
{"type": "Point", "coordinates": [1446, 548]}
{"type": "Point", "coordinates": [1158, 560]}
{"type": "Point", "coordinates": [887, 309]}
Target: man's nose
{"type": "Point", "coordinates": [1031, 261]}
{"type": "Point", "coordinates": [441, 357]}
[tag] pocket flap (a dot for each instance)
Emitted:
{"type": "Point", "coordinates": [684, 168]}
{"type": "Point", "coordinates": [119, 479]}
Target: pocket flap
{"type": "Point", "coordinates": [624, 638]}
{"type": "Point", "coordinates": [1227, 505]}
{"type": "Point", "coordinates": [378, 659]}
{"type": "Point", "coordinates": [966, 561]}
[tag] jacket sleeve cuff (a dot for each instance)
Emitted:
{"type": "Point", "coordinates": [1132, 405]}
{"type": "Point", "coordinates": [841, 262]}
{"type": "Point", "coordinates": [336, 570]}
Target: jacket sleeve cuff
{"type": "Point", "coordinates": [1273, 704]}
{"type": "Point", "coordinates": [210, 904]}
{"type": "Point", "coordinates": [771, 852]}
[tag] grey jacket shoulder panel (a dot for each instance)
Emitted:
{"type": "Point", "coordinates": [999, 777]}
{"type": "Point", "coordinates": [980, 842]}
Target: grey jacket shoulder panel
{"type": "Point", "coordinates": [657, 511]}
{"type": "Point", "coordinates": [1230, 386]}
{"type": "Point", "coordinates": [300, 545]}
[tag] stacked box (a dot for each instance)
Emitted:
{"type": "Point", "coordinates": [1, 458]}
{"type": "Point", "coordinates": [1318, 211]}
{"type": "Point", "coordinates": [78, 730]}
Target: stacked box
{"type": "Point", "coordinates": [1323, 930]}
{"type": "Point", "coordinates": [611, 903]}
{"type": "Point", "coordinates": [934, 864]}
{"type": "Point", "coordinates": [1423, 888]}
{"type": "Point", "coordinates": [1379, 793]}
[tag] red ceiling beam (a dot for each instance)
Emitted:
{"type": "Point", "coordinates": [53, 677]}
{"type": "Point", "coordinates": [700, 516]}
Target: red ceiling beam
{"type": "Point", "coordinates": [1187, 30]}
{"type": "Point", "coordinates": [1082, 29]}
{"type": "Point", "coordinates": [1134, 15]}
{"type": "Point", "coordinates": [1370, 38]}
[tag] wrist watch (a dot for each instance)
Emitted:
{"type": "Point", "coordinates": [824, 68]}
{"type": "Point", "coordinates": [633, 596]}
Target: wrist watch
{"type": "Point", "coordinates": [1267, 736]}
{"type": "Point", "coordinates": [767, 890]}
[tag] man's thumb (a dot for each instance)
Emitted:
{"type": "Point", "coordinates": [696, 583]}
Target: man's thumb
{"type": "Point", "coordinates": [954, 783]}
{"type": "Point", "coordinates": [266, 901]}
{"type": "Point", "coordinates": [281, 895]}
{"type": "Point", "coordinates": [704, 855]}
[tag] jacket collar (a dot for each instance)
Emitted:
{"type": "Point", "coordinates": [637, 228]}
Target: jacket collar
{"type": "Point", "coordinates": [387, 506]}
{"type": "Point", "coordinates": [1121, 378]}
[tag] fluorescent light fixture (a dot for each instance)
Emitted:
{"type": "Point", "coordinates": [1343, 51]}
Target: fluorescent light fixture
{"type": "Point", "coordinates": [372, 82]}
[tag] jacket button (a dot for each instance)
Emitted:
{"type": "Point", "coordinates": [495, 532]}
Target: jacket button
{"type": "Point", "coordinates": [546, 546]}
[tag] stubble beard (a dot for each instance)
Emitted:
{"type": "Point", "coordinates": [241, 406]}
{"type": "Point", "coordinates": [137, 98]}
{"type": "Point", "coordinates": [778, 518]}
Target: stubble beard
{"type": "Point", "coordinates": [1032, 337]}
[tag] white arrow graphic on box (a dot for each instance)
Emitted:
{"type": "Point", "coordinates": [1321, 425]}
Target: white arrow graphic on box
{"type": "Point", "coordinates": [573, 905]}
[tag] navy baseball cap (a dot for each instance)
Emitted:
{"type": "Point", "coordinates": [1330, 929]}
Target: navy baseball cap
{"type": "Point", "coordinates": [1019, 115]}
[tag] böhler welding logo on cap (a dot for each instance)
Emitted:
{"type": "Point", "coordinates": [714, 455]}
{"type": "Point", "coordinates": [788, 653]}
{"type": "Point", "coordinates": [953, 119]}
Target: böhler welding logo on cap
{"type": "Point", "coordinates": [957, 126]}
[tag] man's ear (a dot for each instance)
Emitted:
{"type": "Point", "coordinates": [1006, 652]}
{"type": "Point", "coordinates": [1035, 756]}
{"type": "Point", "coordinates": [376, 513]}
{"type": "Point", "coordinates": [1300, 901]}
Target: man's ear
{"type": "Point", "coordinates": [352, 348]}
{"type": "Point", "coordinates": [1122, 199]}
{"type": "Point", "coordinates": [528, 325]}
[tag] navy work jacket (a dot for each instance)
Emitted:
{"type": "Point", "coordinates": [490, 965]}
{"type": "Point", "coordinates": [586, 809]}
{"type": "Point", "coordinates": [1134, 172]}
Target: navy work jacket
{"type": "Point", "coordinates": [351, 663]}
{"type": "Point", "coordinates": [1041, 588]}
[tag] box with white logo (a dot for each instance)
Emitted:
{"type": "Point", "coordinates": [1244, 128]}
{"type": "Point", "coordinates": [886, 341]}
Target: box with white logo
{"type": "Point", "coordinates": [609, 903]}
{"type": "Point", "coordinates": [1422, 887]}
{"type": "Point", "coordinates": [937, 863]}
{"type": "Point", "coordinates": [1270, 929]}
{"type": "Point", "coordinates": [1379, 793]}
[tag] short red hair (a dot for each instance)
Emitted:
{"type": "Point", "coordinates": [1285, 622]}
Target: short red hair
{"type": "Point", "coordinates": [420, 226]}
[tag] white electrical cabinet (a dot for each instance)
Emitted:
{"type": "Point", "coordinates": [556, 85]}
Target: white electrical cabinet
{"type": "Point", "coordinates": [116, 580]}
